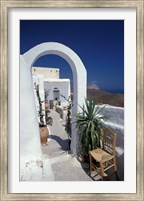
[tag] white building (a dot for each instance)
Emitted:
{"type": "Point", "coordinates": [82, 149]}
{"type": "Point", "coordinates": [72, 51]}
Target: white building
{"type": "Point", "coordinates": [48, 73]}
{"type": "Point", "coordinates": [55, 89]}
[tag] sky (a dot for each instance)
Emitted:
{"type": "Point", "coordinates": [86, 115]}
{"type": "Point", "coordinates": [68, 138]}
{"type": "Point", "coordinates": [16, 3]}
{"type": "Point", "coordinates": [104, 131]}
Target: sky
{"type": "Point", "coordinates": [98, 43]}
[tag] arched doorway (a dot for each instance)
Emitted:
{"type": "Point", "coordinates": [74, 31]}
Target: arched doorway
{"type": "Point", "coordinates": [29, 131]}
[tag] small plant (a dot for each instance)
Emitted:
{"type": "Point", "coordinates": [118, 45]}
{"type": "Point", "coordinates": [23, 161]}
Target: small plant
{"type": "Point", "coordinates": [40, 112]}
{"type": "Point", "coordinates": [68, 122]}
{"type": "Point", "coordinates": [46, 94]}
{"type": "Point", "coordinates": [89, 122]}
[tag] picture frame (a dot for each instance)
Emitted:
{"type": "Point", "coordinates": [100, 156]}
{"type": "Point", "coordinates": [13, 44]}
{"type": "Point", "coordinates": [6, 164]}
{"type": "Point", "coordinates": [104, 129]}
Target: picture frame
{"type": "Point", "coordinates": [4, 118]}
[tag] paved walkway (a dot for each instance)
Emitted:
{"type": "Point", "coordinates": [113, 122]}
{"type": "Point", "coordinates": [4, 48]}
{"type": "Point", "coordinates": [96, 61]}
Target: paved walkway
{"type": "Point", "coordinates": [58, 164]}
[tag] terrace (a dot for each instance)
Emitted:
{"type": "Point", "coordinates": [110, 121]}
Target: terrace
{"type": "Point", "coordinates": [60, 164]}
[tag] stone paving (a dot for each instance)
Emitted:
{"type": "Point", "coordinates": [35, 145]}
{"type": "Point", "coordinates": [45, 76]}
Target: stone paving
{"type": "Point", "coordinates": [58, 164]}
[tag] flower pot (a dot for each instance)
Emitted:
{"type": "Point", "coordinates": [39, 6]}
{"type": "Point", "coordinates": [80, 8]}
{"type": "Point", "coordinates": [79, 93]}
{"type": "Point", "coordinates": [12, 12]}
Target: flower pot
{"type": "Point", "coordinates": [46, 106]}
{"type": "Point", "coordinates": [43, 134]}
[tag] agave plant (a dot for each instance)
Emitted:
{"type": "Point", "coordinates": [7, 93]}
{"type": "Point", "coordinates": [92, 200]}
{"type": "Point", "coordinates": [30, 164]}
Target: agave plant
{"type": "Point", "coordinates": [89, 122]}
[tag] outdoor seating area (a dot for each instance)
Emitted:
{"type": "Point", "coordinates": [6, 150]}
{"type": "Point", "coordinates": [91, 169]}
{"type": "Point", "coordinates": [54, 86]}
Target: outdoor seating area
{"type": "Point", "coordinates": [101, 166]}
{"type": "Point", "coordinates": [104, 158]}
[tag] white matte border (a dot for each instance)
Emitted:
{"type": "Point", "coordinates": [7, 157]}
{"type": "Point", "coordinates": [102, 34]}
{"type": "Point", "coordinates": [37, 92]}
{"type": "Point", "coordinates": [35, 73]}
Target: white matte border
{"type": "Point", "coordinates": [129, 17]}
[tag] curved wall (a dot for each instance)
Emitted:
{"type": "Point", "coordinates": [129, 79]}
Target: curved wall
{"type": "Point", "coordinates": [30, 148]}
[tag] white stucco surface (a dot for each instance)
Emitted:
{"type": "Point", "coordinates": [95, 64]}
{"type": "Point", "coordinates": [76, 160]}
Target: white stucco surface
{"type": "Point", "coordinates": [30, 147]}
{"type": "Point", "coordinates": [47, 72]}
{"type": "Point", "coordinates": [115, 121]}
{"type": "Point", "coordinates": [78, 70]}
{"type": "Point", "coordinates": [63, 85]}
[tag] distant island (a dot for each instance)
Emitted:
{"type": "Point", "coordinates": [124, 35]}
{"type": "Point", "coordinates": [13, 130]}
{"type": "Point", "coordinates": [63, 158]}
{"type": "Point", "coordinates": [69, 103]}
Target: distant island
{"type": "Point", "coordinates": [101, 96]}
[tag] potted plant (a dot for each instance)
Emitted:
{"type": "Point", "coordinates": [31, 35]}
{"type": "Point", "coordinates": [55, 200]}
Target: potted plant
{"type": "Point", "coordinates": [89, 122]}
{"type": "Point", "coordinates": [46, 100]}
{"type": "Point", "coordinates": [42, 125]}
{"type": "Point", "coordinates": [68, 120]}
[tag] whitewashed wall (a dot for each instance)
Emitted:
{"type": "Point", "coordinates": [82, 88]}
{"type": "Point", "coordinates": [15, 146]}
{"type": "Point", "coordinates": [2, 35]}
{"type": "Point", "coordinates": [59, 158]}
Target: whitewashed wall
{"type": "Point", "coordinates": [115, 121]}
{"type": "Point", "coordinates": [47, 72]}
{"type": "Point", "coordinates": [63, 85]}
{"type": "Point", "coordinates": [30, 146]}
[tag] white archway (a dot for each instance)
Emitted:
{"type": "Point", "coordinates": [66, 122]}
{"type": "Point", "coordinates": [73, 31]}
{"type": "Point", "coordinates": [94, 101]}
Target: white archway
{"type": "Point", "coordinates": [29, 138]}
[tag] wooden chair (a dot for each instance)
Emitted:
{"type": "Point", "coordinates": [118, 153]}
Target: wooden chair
{"type": "Point", "coordinates": [104, 158]}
